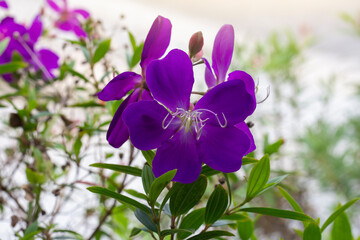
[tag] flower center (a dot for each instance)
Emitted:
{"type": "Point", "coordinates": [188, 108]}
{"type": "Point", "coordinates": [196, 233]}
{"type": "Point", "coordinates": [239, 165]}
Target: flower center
{"type": "Point", "coordinates": [193, 119]}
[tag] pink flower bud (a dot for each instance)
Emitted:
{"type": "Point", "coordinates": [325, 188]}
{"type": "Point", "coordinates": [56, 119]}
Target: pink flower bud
{"type": "Point", "coordinates": [195, 44]}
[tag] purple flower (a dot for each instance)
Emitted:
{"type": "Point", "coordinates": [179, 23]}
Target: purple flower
{"type": "Point", "coordinates": [155, 45]}
{"type": "Point", "coordinates": [22, 40]}
{"type": "Point", "coordinates": [221, 56]}
{"type": "Point", "coordinates": [3, 4]}
{"type": "Point", "coordinates": [221, 60]}
{"type": "Point", "coordinates": [69, 18]}
{"type": "Point", "coordinates": [185, 138]}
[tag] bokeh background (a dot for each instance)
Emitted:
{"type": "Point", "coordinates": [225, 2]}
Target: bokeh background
{"type": "Point", "coordinates": [305, 54]}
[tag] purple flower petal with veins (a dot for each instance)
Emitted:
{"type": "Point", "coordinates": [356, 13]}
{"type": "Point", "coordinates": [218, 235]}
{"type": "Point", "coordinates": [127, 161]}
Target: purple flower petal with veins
{"type": "Point", "coordinates": [155, 46]}
{"type": "Point", "coordinates": [187, 138]}
{"type": "Point", "coordinates": [156, 41]}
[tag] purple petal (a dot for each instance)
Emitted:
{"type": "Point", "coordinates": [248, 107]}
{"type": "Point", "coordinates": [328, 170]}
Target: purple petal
{"type": "Point", "coordinates": [149, 124]}
{"type": "Point", "coordinates": [222, 51]}
{"type": "Point", "coordinates": [118, 133]}
{"type": "Point", "coordinates": [3, 4]}
{"type": "Point", "coordinates": [246, 78]}
{"type": "Point", "coordinates": [229, 100]}
{"type": "Point", "coordinates": [170, 80]}
{"type": "Point", "coordinates": [64, 25]}
{"type": "Point", "coordinates": [35, 30]}
{"type": "Point", "coordinates": [179, 153]}
{"type": "Point", "coordinates": [82, 12]}
{"type": "Point", "coordinates": [156, 41]}
{"type": "Point", "coordinates": [79, 31]}
{"type": "Point", "coordinates": [209, 76]}
{"type": "Point", "coordinates": [53, 5]}
{"type": "Point", "coordinates": [244, 127]}
{"type": "Point", "coordinates": [119, 86]}
{"type": "Point", "coordinates": [222, 148]}
{"type": "Point", "coordinates": [50, 61]}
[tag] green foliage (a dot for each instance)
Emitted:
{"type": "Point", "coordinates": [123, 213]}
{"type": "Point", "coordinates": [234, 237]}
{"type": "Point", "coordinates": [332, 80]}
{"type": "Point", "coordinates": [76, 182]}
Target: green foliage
{"type": "Point", "coordinates": [119, 168]}
{"type": "Point", "coordinates": [210, 235]}
{"type": "Point", "coordinates": [341, 228]}
{"type": "Point", "coordinates": [101, 50]}
{"type": "Point", "coordinates": [121, 198]}
{"type": "Point", "coordinates": [159, 184]}
{"type": "Point", "coordinates": [187, 196]}
{"type": "Point", "coordinates": [12, 67]}
{"type": "Point", "coordinates": [192, 221]}
{"type": "Point", "coordinates": [147, 177]}
{"type": "Point", "coordinates": [216, 205]}
{"type": "Point", "coordinates": [258, 178]}
{"type": "Point", "coordinates": [335, 214]}
{"type": "Point", "coordinates": [145, 219]}
{"type": "Point", "coordinates": [245, 228]}
{"type": "Point", "coordinates": [312, 232]}
{"type": "Point", "coordinates": [279, 213]}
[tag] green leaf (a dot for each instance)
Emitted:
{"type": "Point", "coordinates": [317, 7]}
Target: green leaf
{"type": "Point", "coordinates": [291, 200]}
{"type": "Point", "coordinates": [187, 196]}
{"type": "Point", "coordinates": [259, 176]}
{"type": "Point", "coordinates": [132, 40]}
{"type": "Point", "coordinates": [273, 148]}
{"type": "Point", "coordinates": [174, 231]}
{"type": "Point", "coordinates": [11, 67]}
{"type": "Point", "coordinates": [119, 168]}
{"type": "Point", "coordinates": [159, 184]}
{"type": "Point", "coordinates": [101, 50]}
{"type": "Point", "coordinates": [34, 177]}
{"type": "Point", "coordinates": [121, 198]}
{"type": "Point", "coordinates": [245, 228]}
{"type": "Point", "coordinates": [192, 221]}
{"type": "Point", "coordinates": [149, 156]}
{"type": "Point", "coordinates": [312, 232]}
{"type": "Point", "coordinates": [77, 146]}
{"type": "Point", "coordinates": [210, 235]}
{"type": "Point", "coordinates": [208, 171]}
{"type": "Point", "coordinates": [136, 194]}
{"type": "Point", "coordinates": [3, 44]}
{"type": "Point", "coordinates": [337, 213]}
{"type": "Point", "coordinates": [86, 53]}
{"type": "Point", "coordinates": [135, 231]}
{"type": "Point", "coordinates": [90, 103]}
{"type": "Point", "coordinates": [216, 205]}
{"type": "Point", "coordinates": [236, 217]}
{"type": "Point", "coordinates": [341, 228]}
{"type": "Point", "coordinates": [172, 190]}
{"type": "Point", "coordinates": [147, 178]}
{"type": "Point", "coordinates": [278, 213]}
{"type": "Point", "coordinates": [31, 228]}
{"type": "Point", "coordinates": [137, 55]}
{"type": "Point", "coordinates": [248, 160]}
{"type": "Point", "coordinates": [272, 183]}
{"type": "Point", "coordinates": [145, 219]}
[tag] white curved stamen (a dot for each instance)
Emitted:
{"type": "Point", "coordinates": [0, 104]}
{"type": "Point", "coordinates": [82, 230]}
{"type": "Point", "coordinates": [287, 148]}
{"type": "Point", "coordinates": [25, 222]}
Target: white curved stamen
{"type": "Point", "coordinates": [223, 125]}
{"type": "Point", "coordinates": [192, 119]}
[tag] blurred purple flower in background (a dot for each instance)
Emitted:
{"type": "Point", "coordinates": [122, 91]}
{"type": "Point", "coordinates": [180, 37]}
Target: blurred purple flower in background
{"type": "Point", "coordinates": [155, 45]}
{"type": "Point", "coordinates": [22, 40]}
{"type": "Point", "coordinates": [3, 4]}
{"type": "Point", "coordinates": [185, 138]}
{"type": "Point", "coordinates": [69, 18]}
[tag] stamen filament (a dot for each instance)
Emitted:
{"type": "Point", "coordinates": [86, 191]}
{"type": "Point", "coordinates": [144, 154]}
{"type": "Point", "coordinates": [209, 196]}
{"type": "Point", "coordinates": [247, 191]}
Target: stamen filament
{"type": "Point", "coordinates": [34, 57]}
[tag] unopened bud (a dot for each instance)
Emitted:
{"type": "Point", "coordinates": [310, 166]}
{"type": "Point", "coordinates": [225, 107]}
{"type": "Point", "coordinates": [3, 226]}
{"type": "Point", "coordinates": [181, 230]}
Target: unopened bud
{"type": "Point", "coordinates": [14, 220]}
{"type": "Point", "coordinates": [15, 120]}
{"type": "Point", "coordinates": [195, 44]}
